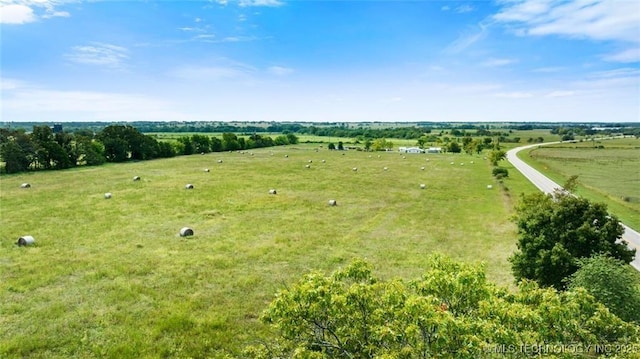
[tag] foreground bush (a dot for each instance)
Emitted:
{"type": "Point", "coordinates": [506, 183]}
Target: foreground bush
{"type": "Point", "coordinates": [451, 312]}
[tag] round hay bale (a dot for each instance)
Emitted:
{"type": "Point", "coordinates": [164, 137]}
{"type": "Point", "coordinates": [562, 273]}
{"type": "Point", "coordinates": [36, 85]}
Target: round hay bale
{"type": "Point", "coordinates": [272, 191]}
{"type": "Point", "coordinates": [188, 186]}
{"type": "Point", "coordinates": [489, 186]}
{"type": "Point", "coordinates": [25, 185]}
{"type": "Point", "coordinates": [186, 231]}
{"type": "Point", "coordinates": [404, 157]}
{"type": "Point", "coordinates": [310, 161]}
{"type": "Point", "coordinates": [107, 195]}
{"type": "Point", "coordinates": [471, 162]}
{"type": "Point", "coordinates": [202, 153]}
{"type": "Point", "coordinates": [323, 161]}
{"type": "Point", "coordinates": [462, 164]}
{"type": "Point", "coordinates": [453, 163]}
{"type": "Point", "coordinates": [422, 168]}
{"type": "Point", "coordinates": [206, 170]}
{"type": "Point", "coordinates": [219, 161]}
{"type": "Point", "coordinates": [307, 166]}
{"type": "Point", "coordinates": [378, 156]}
{"type": "Point", "coordinates": [25, 241]}
{"type": "Point", "coordinates": [332, 202]}
{"type": "Point", "coordinates": [423, 186]}
{"type": "Point", "coordinates": [386, 169]}
{"type": "Point", "coordinates": [136, 178]}
{"type": "Point", "coordinates": [355, 169]}
{"type": "Point", "coordinates": [427, 160]}
{"type": "Point", "coordinates": [286, 156]}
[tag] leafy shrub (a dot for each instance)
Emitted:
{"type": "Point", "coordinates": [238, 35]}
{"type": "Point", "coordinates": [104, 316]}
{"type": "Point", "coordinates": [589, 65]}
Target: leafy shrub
{"type": "Point", "coordinates": [499, 172]}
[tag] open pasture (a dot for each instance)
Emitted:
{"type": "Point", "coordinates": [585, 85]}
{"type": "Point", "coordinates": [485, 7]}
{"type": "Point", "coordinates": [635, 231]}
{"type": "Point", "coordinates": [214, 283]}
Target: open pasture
{"type": "Point", "coordinates": [113, 277]}
{"type": "Point", "coordinates": [607, 170]}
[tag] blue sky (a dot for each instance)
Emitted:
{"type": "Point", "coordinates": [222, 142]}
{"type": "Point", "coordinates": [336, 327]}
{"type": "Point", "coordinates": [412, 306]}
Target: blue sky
{"type": "Point", "coordinates": [342, 61]}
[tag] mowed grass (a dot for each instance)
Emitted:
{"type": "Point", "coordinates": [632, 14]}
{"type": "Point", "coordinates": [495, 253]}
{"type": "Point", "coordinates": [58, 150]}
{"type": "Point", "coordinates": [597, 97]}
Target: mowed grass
{"type": "Point", "coordinates": [610, 174]}
{"type": "Point", "coordinates": [112, 278]}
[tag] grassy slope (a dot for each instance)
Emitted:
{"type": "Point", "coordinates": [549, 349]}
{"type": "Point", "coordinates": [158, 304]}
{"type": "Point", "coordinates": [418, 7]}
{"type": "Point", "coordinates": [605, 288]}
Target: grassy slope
{"type": "Point", "coordinates": [112, 278]}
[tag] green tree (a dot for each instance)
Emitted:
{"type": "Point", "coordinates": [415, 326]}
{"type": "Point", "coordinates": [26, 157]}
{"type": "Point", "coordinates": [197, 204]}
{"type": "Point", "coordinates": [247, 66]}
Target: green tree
{"type": "Point", "coordinates": [340, 146]}
{"type": "Point", "coordinates": [331, 146]}
{"type": "Point", "coordinates": [452, 311]}
{"type": "Point", "coordinates": [201, 143]}
{"type": "Point", "coordinates": [230, 141]}
{"type": "Point", "coordinates": [453, 147]}
{"type": "Point", "coordinates": [555, 231]}
{"type": "Point", "coordinates": [293, 139]}
{"type": "Point", "coordinates": [496, 156]}
{"type": "Point", "coordinates": [216, 145]}
{"type": "Point", "coordinates": [14, 157]}
{"type": "Point", "coordinates": [612, 282]}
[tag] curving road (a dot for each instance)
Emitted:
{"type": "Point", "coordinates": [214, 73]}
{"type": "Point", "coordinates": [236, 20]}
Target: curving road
{"type": "Point", "coordinates": [548, 186]}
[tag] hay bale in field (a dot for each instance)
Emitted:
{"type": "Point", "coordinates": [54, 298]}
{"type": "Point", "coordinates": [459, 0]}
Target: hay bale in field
{"type": "Point", "coordinates": [272, 191]}
{"type": "Point", "coordinates": [202, 153]}
{"type": "Point", "coordinates": [186, 231]}
{"type": "Point", "coordinates": [25, 241]}
{"type": "Point", "coordinates": [462, 164]}
{"type": "Point", "coordinates": [423, 186]}
{"type": "Point", "coordinates": [188, 186]}
{"type": "Point", "coordinates": [471, 162]}
{"type": "Point", "coordinates": [453, 163]}
{"type": "Point", "coordinates": [332, 202]}
{"type": "Point", "coordinates": [355, 169]}
{"type": "Point", "coordinates": [404, 157]}
{"type": "Point", "coordinates": [489, 186]}
{"type": "Point", "coordinates": [422, 168]}
{"type": "Point", "coordinates": [136, 178]}
{"type": "Point", "coordinates": [25, 185]}
{"type": "Point", "coordinates": [219, 161]}
{"type": "Point", "coordinates": [378, 156]}
{"type": "Point", "coordinates": [310, 161]}
{"type": "Point", "coordinates": [286, 156]}
{"type": "Point", "coordinates": [206, 170]}
{"type": "Point", "coordinates": [386, 169]}
{"type": "Point", "coordinates": [107, 195]}
{"type": "Point", "coordinates": [323, 161]}
{"type": "Point", "coordinates": [307, 166]}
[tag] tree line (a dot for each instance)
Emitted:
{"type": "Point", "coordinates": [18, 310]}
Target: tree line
{"type": "Point", "coordinates": [42, 149]}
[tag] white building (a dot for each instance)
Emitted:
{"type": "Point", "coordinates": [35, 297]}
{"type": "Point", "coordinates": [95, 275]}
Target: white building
{"type": "Point", "coordinates": [410, 150]}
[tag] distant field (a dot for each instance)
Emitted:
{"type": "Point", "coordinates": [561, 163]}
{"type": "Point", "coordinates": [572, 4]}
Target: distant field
{"type": "Point", "coordinates": [112, 278]}
{"type": "Point", "coordinates": [610, 174]}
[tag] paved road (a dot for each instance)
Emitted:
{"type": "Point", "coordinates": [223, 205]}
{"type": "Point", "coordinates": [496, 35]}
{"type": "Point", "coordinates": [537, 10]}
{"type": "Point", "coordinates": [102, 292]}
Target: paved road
{"type": "Point", "coordinates": [548, 186]}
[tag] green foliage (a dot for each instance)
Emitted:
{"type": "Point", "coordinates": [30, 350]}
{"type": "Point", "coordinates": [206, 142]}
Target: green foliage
{"type": "Point", "coordinates": [500, 172]}
{"type": "Point", "coordinates": [496, 156]}
{"type": "Point", "coordinates": [452, 311]}
{"type": "Point", "coordinates": [612, 282]}
{"type": "Point", "coordinates": [453, 147]}
{"type": "Point", "coordinates": [381, 144]}
{"type": "Point", "coordinates": [555, 231]}
{"type": "Point", "coordinates": [331, 146]}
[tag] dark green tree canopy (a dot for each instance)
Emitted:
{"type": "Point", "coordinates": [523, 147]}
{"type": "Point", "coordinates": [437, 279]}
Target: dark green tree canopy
{"type": "Point", "coordinates": [555, 231]}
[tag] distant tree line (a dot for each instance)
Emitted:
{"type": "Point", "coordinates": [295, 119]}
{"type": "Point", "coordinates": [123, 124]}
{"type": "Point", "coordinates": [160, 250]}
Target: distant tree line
{"type": "Point", "coordinates": [42, 149]}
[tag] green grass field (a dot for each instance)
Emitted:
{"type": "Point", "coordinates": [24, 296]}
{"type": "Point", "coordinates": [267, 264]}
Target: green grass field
{"type": "Point", "coordinates": [112, 278]}
{"type": "Point", "coordinates": [609, 174]}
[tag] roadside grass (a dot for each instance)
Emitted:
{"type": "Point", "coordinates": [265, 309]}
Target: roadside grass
{"type": "Point", "coordinates": [609, 174]}
{"type": "Point", "coordinates": [112, 278]}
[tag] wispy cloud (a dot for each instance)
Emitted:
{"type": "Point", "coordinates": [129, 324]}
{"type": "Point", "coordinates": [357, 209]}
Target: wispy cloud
{"type": "Point", "coordinates": [498, 62]}
{"type": "Point", "coordinates": [591, 19]}
{"type": "Point", "coordinates": [269, 3]}
{"type": "Point", "coordinates": [225, 69]}
{"type": "Point", "coordinates": [464, 9]}
{"type": "Point", "coordinates": [468, 38]}
{"type": "Point", "coordinates": [514, 94]}
{"type": "Point", "coordinates": [100, 54]}
{"type": "Point", "coordinates": [551, 69]}
{"type": "Point", "coordinates": [627, 56]}
{"type": "Point", "coordinates": [20, 12]}
{"type": "Point", "coordinates": [279, 70]}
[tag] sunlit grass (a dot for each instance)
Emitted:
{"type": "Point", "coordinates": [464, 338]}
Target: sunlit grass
{"type": "Point", "coordinates": [112, 278]}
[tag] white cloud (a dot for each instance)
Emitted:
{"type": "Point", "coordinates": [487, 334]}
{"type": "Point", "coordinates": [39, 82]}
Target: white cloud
{"type": "Point", "coordinates": [269, 3]}
{"type": "Point", "coordinates": [498, 62]}
{"type": "Point", "coordinates": [464, 9]}
{"type": "Point", "coordinates": [514, 95]}
{"type": "Point", "coordinates": [279, 70]}
{"type": "Point", "coordinates": [467, 39]}
{"type": "Point", "coordinates": [548, 69]}
{"type": "Point", "coordinates": [16, 14]}
{"type": "Point", "coordinates": [25, 11]}
{"type": "Point", "coordinates": [626, 56]}
{"type": "Point", "coordinates": [591, 19]}
{"type": "Point", "coordinates": [212, 73]}
{"type": "Point", "coordinates": [99, 54]}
